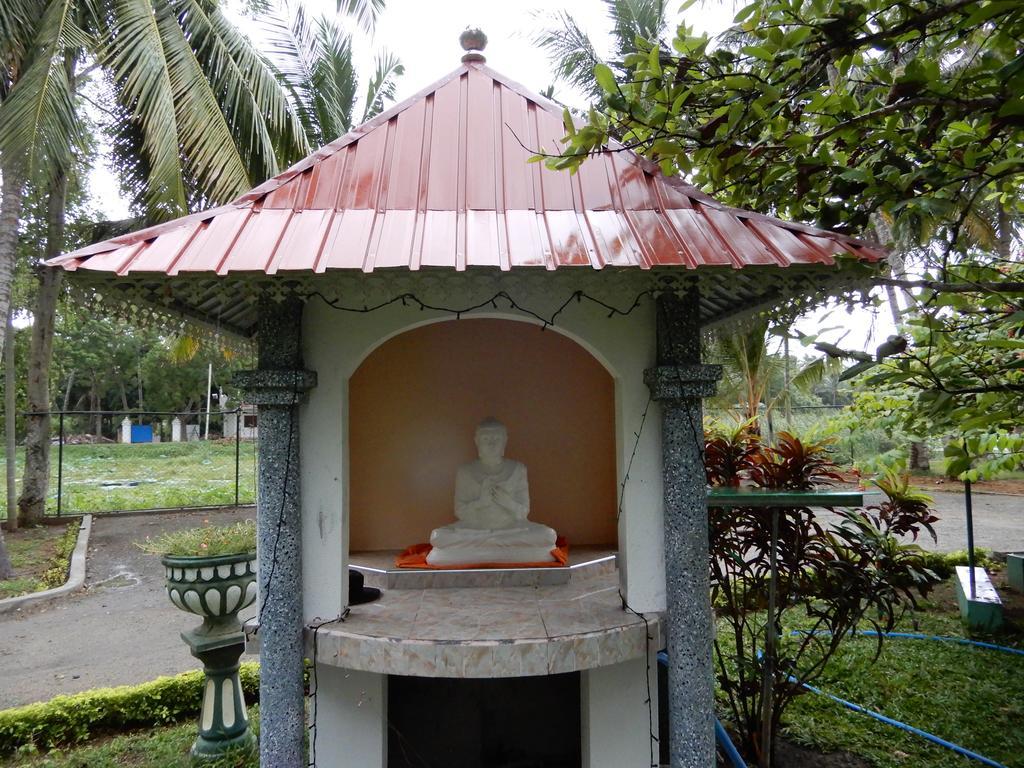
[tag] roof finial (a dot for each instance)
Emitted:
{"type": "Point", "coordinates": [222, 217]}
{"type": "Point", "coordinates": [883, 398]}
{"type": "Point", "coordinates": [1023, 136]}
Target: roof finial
{"type": "Point", "coordinates": [473, 42]}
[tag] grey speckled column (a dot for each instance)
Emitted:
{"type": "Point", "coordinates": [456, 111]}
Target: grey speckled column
{"type": "Point", "coordinates": [678, 384]}
{"type": "Point", "coordinates": [277, 387]}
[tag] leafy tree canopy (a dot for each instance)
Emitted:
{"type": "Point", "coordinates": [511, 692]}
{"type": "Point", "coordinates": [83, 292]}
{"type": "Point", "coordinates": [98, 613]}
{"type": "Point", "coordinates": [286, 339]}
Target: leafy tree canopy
{"type": "Point", "coordinates": [903, 120]}
{"type": "Point", "coordinates": [831, 110]}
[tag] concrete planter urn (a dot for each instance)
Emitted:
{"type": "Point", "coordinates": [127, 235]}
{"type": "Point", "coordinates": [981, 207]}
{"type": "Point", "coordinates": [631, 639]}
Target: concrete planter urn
{"type": "Point", "coordinates": [216, 588]}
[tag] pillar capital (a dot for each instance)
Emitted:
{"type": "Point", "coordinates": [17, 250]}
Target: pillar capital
{"type": "Point", "coordinates": [275, 387]}
{"type": "Point", "coordinates": [682, 382]}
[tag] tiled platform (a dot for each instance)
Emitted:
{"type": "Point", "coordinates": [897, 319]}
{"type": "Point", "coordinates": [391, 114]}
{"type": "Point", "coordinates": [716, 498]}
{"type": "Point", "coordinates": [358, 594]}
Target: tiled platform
{"type": "Point", "coordinates": [489, 631]}
{"type": "Point", "coordinates": [378, 569]}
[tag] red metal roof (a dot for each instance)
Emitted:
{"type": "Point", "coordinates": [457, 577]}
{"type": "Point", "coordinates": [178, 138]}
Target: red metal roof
{"type": "Point", "coordinates": [442, 180]}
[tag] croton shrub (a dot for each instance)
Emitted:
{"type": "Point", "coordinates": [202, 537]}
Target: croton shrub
{"type": "Point", "coordinates": [836, 573]}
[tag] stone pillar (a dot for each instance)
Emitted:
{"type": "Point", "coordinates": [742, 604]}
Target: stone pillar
{"type": "Point", "coordinates": [678, 383]}
{"type": "Point", "coordinates": [126, 430]}
{"type": "Point", "coordinates": [175, 430]}
{"type": "Point", "coordinates": [277, 387]}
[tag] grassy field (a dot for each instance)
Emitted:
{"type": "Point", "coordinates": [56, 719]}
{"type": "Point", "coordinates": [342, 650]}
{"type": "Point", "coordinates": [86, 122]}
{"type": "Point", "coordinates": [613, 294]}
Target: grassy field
{"type": "Point", "coordinates": [109, 477]}
{"type": "Point", "coordinates": [970, 696]}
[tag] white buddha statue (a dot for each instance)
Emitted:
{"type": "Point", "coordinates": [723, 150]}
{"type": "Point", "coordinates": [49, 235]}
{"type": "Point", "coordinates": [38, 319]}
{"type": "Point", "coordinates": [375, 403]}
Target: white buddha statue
{"type": "Point", "coordinates": [492, 503]}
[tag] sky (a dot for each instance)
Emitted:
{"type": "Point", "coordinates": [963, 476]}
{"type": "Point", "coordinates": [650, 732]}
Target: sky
{"type": "Point", "coordinates": [425, 37]}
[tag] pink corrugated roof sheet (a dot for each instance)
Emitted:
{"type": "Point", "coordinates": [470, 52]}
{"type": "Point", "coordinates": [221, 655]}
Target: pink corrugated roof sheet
{"type": "Point", "coordinates": [442, 180]}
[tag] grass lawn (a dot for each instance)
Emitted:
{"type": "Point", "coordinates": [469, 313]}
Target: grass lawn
{"type": "Point", "coordinates": [165, 747]}
{"type": "Point", "coordinates": [34, 552]}
{"type": "Point", "coordinates": [970, 696]}
{"type": "Point", "coordinates": [108, 477]}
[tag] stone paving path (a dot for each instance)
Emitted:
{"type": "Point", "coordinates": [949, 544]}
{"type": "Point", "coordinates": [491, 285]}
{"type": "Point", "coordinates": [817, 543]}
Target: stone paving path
{"type": "Point", "coordinates": [121, 629]}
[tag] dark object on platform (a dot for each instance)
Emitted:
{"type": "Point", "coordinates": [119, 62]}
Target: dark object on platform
{"type": "Point", "coordinates": [357, 592]}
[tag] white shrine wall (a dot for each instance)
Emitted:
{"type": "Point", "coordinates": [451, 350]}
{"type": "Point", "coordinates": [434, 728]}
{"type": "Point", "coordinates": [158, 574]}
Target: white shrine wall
{"type": "Point", "coordinates": [335, 344]}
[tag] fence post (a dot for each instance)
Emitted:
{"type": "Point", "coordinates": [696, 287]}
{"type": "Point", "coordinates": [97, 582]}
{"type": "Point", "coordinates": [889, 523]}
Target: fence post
{"type": "Point", "coordinates": [60, 463]}
{"type": "Point", "coordinates": [238, 446]}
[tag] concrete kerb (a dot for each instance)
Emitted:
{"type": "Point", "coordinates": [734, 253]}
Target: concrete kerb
{"type": "Point", "coordinates": [76, 574]}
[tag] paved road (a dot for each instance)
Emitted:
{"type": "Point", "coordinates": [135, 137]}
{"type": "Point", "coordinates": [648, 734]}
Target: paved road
{"type": "Point", "coordinates": [122, 629]}
{"type": "Point", "coordinates": [998, 522]}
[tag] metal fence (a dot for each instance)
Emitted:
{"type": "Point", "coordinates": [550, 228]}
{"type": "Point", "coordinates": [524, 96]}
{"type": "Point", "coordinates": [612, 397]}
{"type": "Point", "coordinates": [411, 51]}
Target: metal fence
{"type": "Point", "coordinates": [99, 462]}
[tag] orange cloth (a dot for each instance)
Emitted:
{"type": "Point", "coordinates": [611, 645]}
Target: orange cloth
{"type": "Point", "coordinates": [416, 557]}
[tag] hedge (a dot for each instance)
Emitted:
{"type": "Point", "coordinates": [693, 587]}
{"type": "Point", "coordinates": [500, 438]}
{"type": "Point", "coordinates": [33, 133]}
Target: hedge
{"type": "Point", "coordinates": [66, 720]}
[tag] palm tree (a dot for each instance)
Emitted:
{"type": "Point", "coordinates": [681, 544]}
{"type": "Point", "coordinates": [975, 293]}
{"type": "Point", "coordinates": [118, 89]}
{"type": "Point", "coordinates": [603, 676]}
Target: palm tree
{"type": "Point", "coordinates": [314, 61]}
{"type": "Point", "coordinates": [748, 369]}
{"type": "Point", "coordinates": [196, 117]}
{"type": "Point", "coordinates": [574, 54]}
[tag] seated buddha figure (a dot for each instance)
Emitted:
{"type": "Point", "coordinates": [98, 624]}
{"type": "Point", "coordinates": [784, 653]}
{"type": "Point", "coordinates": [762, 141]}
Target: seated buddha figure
{"type": "Point", "coordinates": [492, 503]}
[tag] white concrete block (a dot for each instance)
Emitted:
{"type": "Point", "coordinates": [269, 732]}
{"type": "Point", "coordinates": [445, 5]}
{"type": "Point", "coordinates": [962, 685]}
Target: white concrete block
{"type": "Point", "coordinates": [351, 719]}
{"type": "Point", "coordinates": [616, 722]}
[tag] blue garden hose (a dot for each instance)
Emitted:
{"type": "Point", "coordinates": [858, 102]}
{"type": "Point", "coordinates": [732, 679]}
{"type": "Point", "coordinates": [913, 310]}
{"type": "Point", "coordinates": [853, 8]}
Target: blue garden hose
{"type": "Point", "coordinates": [918, 636]}
{"type": "Point", "coordinates": [737, 762]}
{"type": "Point", "coordinates": [896, 723]}
{"type": "Point", "coordinates": [903, 726]}
{"type": "Point", "coordinates": [724, 742]}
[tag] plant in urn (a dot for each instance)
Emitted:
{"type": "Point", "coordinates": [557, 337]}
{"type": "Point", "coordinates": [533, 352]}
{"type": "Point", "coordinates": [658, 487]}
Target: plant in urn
{"type": "Point", "coordinates": [211, 572]}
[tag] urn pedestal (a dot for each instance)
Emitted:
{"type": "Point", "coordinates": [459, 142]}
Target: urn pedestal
{"type": "Point", "coordinates": [216, 588]}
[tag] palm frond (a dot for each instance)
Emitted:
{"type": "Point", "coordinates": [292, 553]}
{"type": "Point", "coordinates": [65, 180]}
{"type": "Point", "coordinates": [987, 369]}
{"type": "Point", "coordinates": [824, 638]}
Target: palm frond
{"type": "Point", "coordinates": [38, 121]}
{"type": "Point", "coordinates": [365, 12]}
{"type": "Point", "coordinates": [184, 348]}
{"type": "Point", "coordinates": [211, 156]}
{"type": "Point", "coordinates": [133, 51]}
{"type": "Point", "coordinates": [632, 19]}
{"type": "Point", "coordinates": [292, 52]}
{"type": "Point", "coordinates": [571, 51]}
{"type": "Point", "coordinates": [334, 79]}
{"type": "Point", "coordinates": [17, 24]}
{"type": "Point", "coordinates": [265, 126]}
{"type": "Point", "coordinates": [382, 84]}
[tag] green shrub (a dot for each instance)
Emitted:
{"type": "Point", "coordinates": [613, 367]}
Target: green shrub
{"type": "Point", "coordinates": [57, 573]}
{"type": "Point", "coordinates": [944, 564]}
{"type": "Point", "coordinates": [66, 720]}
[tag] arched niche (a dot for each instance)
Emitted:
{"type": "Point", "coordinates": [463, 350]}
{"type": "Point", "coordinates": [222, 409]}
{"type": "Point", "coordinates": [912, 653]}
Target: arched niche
{"type": "Point", "coordinates": [415, 401]}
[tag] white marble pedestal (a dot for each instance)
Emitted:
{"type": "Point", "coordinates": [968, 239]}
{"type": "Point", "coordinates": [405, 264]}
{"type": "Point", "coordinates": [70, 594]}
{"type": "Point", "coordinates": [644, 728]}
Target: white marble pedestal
{"type": "Point", "coordinates": [489, 632]}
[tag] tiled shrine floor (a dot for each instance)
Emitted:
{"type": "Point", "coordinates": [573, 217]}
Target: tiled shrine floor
{"type": "Point", "coordinates": [379, 570]}
{"type": "Point", "coordinates": [505, 631]}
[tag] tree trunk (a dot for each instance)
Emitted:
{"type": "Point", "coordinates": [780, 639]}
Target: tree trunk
{"type": "Point", "coordinates": [36, 485]}
{"type": "Point", "coordinates": [67, 391]}
{"type": "Point", "coordinates": [10, 215]}
{"type": "Point", "coordinates": [10, 423]}
{"type": "Point", "coordinates": [6, 569]}
{"type": "Point", "coordinates": [97, 418]}
{"type": "Point", "coordinates": [1004, 231]}
{"type": "Point", "coordinates": [919, 458]}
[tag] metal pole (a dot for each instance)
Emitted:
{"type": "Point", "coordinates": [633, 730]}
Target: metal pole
{"type": "Point", "coordinates": [970, 536]}
{"type": "Point", "coordinates": [209, 385]}
{"type": "Point", "coordinates": [60, 462]}
{"type": "Point", "coordinates": [788, 384]}
{"type": "Point", "coordinates": [770, 643]}
{"type": "Point", "coordinates": [238, 447]}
